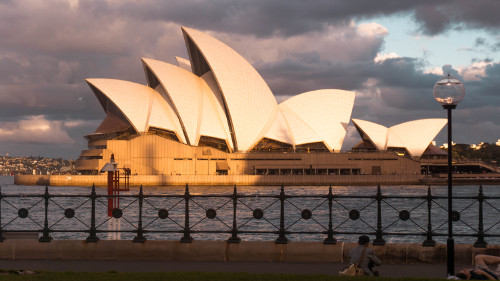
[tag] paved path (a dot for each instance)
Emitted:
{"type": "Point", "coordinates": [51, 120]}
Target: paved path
{"type": "Point", "coordinates": [391, 270]}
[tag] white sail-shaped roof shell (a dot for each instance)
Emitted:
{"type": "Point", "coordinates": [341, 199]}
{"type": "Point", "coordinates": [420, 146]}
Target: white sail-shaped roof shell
{"type": "Point", "coordinates": [393, 140]}
{"type": "Point", "coordinates": [279, 130]}
{"type": "Point", "coordinates": [376, 133]}
{"type": "Point", "coordinates": [301, 132]}
{"type": "Point", "coordinates": [185, 91]}
{"type": "Point", "coordinates": [141, 105]}
{"type": "Point", "coordinates": [134, 100]}
{"type": "Point", "coordinates": [250, 103]}
{"type": "Point", "coordinates": [214, 122]}
{"type": "Point", "coordinates": [416, 135]}
{"type": "Point", "coordinates": [163, 116]}
{"type": "Point", "coordinates": [326, 112]}
{"type": "Point", "coordinates": [184, 64]}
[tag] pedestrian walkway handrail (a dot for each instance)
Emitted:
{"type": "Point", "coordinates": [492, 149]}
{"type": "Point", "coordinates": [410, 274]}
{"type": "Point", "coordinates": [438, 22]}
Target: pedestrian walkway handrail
{"type": "Point", "coordinates": [236, 216]}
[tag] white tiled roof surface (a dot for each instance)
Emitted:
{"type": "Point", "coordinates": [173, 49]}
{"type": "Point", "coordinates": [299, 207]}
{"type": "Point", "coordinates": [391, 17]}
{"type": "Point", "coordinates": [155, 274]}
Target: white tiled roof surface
{"type": "Point", "coordinates": [134, 100]}
{"type": "Point", "coordinates": [184, 63]}
{"type": "Point", "coordinates": [249, 100]}
{"type": "Point", "coordinates": [301, 131]}
{"type": "Point", "coordinates": [163, 116]}
{"type": "Point", "coordinates": [393, 140]}
{"type": "Point", "coordinates": [418, 134]}
{"type": "Point", "coordinates": [326, 112]}
{"type": "Point", "coordinates": [213, 121]}
{"type": "Point", "coordinates": [375, 132]}
{"type": "Point", "coordinates": [279, 130]}
{"type": "Point", "coordinates": [185, 90]}
{"type": "Point", "coordinates": [415, 135]}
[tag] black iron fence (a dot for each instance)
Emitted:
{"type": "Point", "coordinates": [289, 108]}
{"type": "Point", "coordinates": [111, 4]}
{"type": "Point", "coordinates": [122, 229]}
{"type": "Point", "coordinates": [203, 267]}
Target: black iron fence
{"type": "Point", "coordinates": [236, 216]}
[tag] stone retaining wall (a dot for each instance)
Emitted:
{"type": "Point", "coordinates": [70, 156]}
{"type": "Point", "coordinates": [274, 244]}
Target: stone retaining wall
{"type": "Point", "coordinates": [248, 251]}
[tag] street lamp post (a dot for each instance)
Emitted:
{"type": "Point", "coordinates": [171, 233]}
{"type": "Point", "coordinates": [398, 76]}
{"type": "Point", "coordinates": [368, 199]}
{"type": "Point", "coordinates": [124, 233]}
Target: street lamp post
{"type": "Point", "coordinates": [449, 91]}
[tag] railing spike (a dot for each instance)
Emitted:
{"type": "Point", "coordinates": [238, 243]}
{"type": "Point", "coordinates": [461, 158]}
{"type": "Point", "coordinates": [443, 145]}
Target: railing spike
{"type": "Point", "coordinates": [234, 231]}
{"type": "Point", "coordinates": [379, 241]}
{"type": "Point", "coordinates": [330, 239]}
{"type": "Point", "coordinates": [45, 236]}
{"type": "Point", "coordinates": [93, 230]}
{"type": "Point", "coordinates": [282, 238]}
{"type": "Point", "coordinates": [480, 243]}
{"type": "Point", "coordinates": [429, 242]}
{"type": "Point", "coordinates": [140, 237]}
{"type": "Point", "coordinates": [187, 229]}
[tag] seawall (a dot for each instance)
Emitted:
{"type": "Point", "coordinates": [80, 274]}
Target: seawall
{"type": "Point", "coordinates": [176, 180]}
{"type": "Point", "coordinates": [229, 180]}
{"type": "Point", "coordinates": [245, 251]}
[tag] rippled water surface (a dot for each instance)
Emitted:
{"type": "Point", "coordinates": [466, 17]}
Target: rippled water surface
{"type": "Point", "coordinates": [257, 197]}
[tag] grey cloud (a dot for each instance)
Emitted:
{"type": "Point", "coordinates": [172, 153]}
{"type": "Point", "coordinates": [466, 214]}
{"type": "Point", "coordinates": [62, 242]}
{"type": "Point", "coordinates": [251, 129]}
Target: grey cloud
{"type": "Point", "coordinates": [402, 77]}
{"type": "Point", "coordinates": [33, 130]}
{"type": "Point", "coordinates": [496, 47]}
{"type": "Point", "coordinates": [265, 18]}
{"type": "Point", "coordinates": [486, 90]}
{"type": "Point", "coordinates": [287, 18]}
{"type": "Point", "coordinates": [56, 101]}
{"type": "Point", "coordinates": [448, 69]}
{"type": "Point", "coordinates": [433, 20]}
{"type": "Point", "coordinates": [480, 41]}
{"type": "Point", "coordinates": [345, 65]}
{"type": "Point", "coordinates": [403, 72]}
{"type": "Point", "coordinates": [439, 16]}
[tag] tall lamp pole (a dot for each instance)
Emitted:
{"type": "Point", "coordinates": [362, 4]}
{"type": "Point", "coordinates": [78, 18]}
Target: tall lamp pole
{"type": "Point", "coordinates": [449, 91]}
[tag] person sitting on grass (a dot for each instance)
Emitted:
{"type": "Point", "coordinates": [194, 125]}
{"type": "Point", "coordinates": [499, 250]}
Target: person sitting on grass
{"type": "Point", "coordinates": [369, 258]}
{"type": "Point", "coordinates": [482, 270]}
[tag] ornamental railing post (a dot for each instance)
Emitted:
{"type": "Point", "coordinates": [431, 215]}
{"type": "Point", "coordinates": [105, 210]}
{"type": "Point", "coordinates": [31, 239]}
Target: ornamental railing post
{"type": "Point", "coordinates": [93, 232]}
{"type": "Point", "coordinates": [140, 237]}
{"type": "Point", "coordinates": [282, 238]}
{"type": "Point", "coordinates": [187, 231]}
{"type": "Point", "coordinates": [1, 198]}
{"type": "Point", "coordinates": [330, 239]}
{"type": "Point", "coordinates": [480, 243]}
{"type": "Point", "coordinates": [46, 237]}
{"type": "Point", "coordinates": [234, 232]}
{"type": "Point", "coordinates": [379, 241]}
{"type": "Point", "coordinates": [429, 242]}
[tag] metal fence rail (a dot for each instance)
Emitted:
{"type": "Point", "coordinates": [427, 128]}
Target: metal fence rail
{"type": "Point", "coordinates": [324, 217]}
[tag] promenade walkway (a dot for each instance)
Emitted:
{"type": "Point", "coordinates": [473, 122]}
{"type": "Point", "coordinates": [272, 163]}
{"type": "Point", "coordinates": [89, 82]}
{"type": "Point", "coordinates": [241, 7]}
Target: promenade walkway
{"type": "Point", "coordinates": [390, 270]}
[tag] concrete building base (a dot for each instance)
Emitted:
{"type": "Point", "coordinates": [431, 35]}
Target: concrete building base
{"type": "Point", "coordinates": [216, 180]}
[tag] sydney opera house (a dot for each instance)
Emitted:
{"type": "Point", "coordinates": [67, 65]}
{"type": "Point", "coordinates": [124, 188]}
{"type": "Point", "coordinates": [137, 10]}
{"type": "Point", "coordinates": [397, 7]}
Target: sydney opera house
{"type": "Point", "coordinates": [212, 119]}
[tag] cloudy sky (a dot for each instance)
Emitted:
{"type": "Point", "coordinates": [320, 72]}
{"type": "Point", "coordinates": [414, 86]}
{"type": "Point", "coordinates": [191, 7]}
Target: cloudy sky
{"type": "Point", "coordinates": [390, 52]}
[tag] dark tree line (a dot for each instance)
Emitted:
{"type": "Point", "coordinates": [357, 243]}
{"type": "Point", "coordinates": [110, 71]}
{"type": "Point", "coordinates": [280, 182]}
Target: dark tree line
{"type": "Point", "coordinates": [488, 153]}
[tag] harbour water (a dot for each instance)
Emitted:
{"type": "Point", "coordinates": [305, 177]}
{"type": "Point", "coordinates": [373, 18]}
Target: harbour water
{"type": "Point", "coordinates": [410, 230]}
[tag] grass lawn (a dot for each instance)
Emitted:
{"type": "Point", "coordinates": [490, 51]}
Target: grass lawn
{"type": "Point", "coordinates": [195, 276]}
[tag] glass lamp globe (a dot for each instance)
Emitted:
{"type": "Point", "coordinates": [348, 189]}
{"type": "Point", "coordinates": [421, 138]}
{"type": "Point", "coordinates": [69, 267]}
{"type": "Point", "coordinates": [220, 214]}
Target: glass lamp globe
{"type": "Point", "coordinates": [449, 91]}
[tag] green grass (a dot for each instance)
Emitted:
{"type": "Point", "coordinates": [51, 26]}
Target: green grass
{"type": "Point", "coordinates": [188, 276]}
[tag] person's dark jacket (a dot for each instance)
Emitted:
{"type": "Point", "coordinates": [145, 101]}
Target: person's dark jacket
{"type": "Point", "coordinates": [355, 255]}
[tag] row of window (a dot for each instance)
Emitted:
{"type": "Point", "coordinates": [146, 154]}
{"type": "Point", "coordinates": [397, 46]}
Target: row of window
{"type": "Point", "coordinates": [98, 147]}
{"type": "Point", "coordinates": [90, 157]}
{"type": "Point", "coordinates": [287, 171]}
